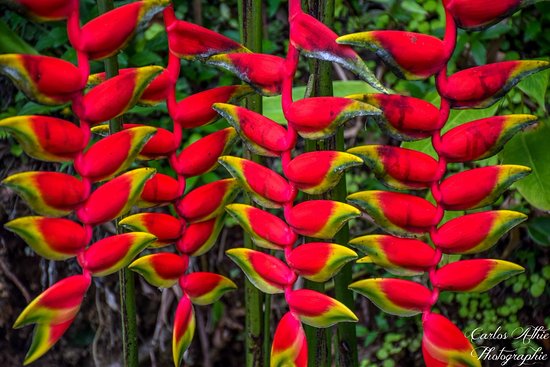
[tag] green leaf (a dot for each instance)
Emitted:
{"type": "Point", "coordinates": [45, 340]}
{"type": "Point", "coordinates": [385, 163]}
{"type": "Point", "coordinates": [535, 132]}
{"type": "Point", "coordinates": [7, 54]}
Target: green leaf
{"type": "Point", "coordinates": [536, 86]}
{"type": "Point", "coordinates": [479, 52]}
{"type": "Point", "coordinates": [413, 7]}
{"type": "Point", "coordinates": [11, 43]}
{"type": "Point", "coordinates": [539, 230]}
{"type": "Point", "coordinates": [531, 149]}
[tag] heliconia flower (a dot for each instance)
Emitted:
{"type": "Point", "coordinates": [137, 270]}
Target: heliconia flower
{"type": "Point", "coordinates": [317, 172]}
{"type": "Point", "coordinates": [207, 201]}
{"type": "Point", "coordinates": [115, 96]}
{"type": "Point", "coordinates": [473, 233]}
{"type": "Point", "coordinates": [115, 197]}
{"type": "Point", "coordinates": [48, 193]}
{"type": "Point", "coordinates": [113, 154]}
{"type": "Point", "coordinates": [403, 118]}
{"type": "Point", "coordinates": [399, 256]}
{"type": "Point", "coordinates": [318, 310]}
{"type": "Point", "coordinates": [442, 341]}
{"type": "Point", "coordinates": [319, 261]}
{"type": "Point", "coordinates": [395, 296]}
{"type": "Point", "coordinates": [44, 10]}
{"type": "Point", "coordinates": [196, 109]}
{"type": "Point", "coordinates": [482, 86]}
{"type": "Point", "coordinates": [164, 227]}
{"type": "Point", "coordinates": [265, 229]}
{"type": "Point", "coordinates": [153, 94]}
{"type": "Point", "coordinates": [57, 304]}
{"type": "Point", "coordinates": [478, 187]}
{"type": "Point", "coordinates": [198, 238]}
{"type": "Point", "coordinates": [111, 254]}
{"type": "Point", "coordinates": [184, 329]}
{"type": "Point", "coordinates": [266, 272]}
{"type": "Point", "coordinates": [46, 138]}
{"type": "Point", "coordinates": [188, 41]}
{"type": "Point", "coordinates": [396, 49]}
{"type": "Point", "coordinates": [474, 15]}
{"type": "Point", "coordinates": [483, 274]}
{"type": "Point", "coordinates": [52, 238]}
{"type": "Point", "coordinates": [205, 288]}
{"type": "Point", "coordinates": [44, 337]}
{"type": "Point", "coordinates": [314, 39]}
{"type": "Point", "coordinates": [108, 33]}
{"type": "Point", "coordinates": [263, 72]}
{"type": "Point", "coordinates": [46, 80]}
{"type": "Point", "coordinates": [400, 168]}
{"type": "Point", "coordinates": [161, 269]}
{"type": "Point", "coordinates": [320, 117]}
{"type": "Point", "coordinates": [462, 143]}
{"type": "Point", "coordinates": [289, 346]}
{"type": "Point", "coordinates": [265, 186]}
{"type": "Point", "coordinates": [202, 156]}
{"type": "Point", "coordinates": [161, 189]}
{"type": "Point", "coordinates": [262, 136]}
{"type": "Point", "coordinates": [320, 218]}
{"type": "Point", "coordinates": [401, 214]}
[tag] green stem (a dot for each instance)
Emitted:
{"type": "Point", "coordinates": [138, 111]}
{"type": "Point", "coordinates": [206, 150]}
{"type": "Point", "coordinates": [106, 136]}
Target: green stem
{"type": "Point", "coordinates": [125, 276]}
{"type": "Point", "coordinates": [257, 336]}
{"type": "Point", "coordinates": [320, 84]}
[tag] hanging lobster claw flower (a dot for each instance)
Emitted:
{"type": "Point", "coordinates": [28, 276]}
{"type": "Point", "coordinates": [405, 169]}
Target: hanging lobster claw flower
{"type": "Point", "coordinates": [46, 80]}
{"type": "Point", "coordinates": [320, 117]}
{"type": "Point", "coordinates": [266, 272]}
{"type": "Point", "coordinates": [205, 288]}
{"type": "Point", "coordinates": [184, 329]}
{"type": "Point", "coordinates": [164, 227]}
{"type": "Point", "coordinates": [153, 94]}
{"type": "Point", "coordinates": [397, 48]}
{"type": "Point", "coordinates": [395, 296]}
{"type": "Point", "coordinates": [190, 41]}
{"type": "Point", "coordinates": [196, 109]}
{"type": "Point", "coordinates": [320, 218]}
{"type": "Point", "coordinates": [159, 190]}
{"type": "Point", "coordinates": [160, 270]}
{"type": "Point", "coordinates": [48, 193]}
{"type": "Point", "coordinates": [483, 274]}
{"type": "Point", "coordinates": [202, 156]}
{"type": "Point", "coordinates": [289, 346]}
{"type": "Point", "coordinates": [265, 229]}
{"type": "Point", "coordinates": [403, 118]}
{"type": "Point", "coordinates": [462, 143]}
{"type": "Point", "coordinates": [317, 172]}
{"type": "Point", "coordinates": [443, 342]}
{"type": "Point", "coordinates": [46, 138]}
{"type": "Point", "coordinates": [115, 96]}
{"type": "Point", "coordinates": [207, 201]}
{"type": "Point", "coordinates": [482, 86]}
{"type": "Point", "coordinates": [113, 154]}
{"type": "Point", "coordinates": [43, 10]}
{"type": "Point", "coordinates": [316, 40]}
{"type": "Point", "coordinates": [318, 310]}
{"type": "Point", "coordinates": [399, 256]}
{"type": "Point", "coordinates": [265, 186]}
{"type": "Point", "coordinates": [111, 254]}
{"type": "Point", "coordinates": [327, 261]}
{"type": "Point", "coordinates": [263, 72]}
{"type": "Point", "coordinates": [57, 304]}
{"type": "Point", "coordinates": [110, 32]}
{"type": "Point", "coordinates": [52, 238]}
{"type": "Point", "coordinates": [476, 16]}
{"type": "Point", "coordinates": [478, 187]}
{"type": "Point", "coordinates": [473, 233]}
{"type": "Point", "coordinates": [198, 238]}
{"type": "Point", "coordinates": [262, 136]}
{"type": "Point", "coordinates": [115, 197]}
{"type": "Point", "coordinates": [400, 168]}
{"type": "Point", "coordinates": [401, 214]}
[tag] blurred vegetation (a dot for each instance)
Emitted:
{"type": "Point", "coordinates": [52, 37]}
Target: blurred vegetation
{"type": "Point", "coordinates": [384, 340]}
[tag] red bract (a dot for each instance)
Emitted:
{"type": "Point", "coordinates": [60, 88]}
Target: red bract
{"type": "Point", "coordinates": [159, 190]}
{"type": "Point", "coordinates": [164, 227]}
{"type": "Point", "coordinates": [476, 15]}
{"type": "Point", "coordinates": [289, 343]}
{"type": "Point", "coordinates": [45, 10]}
{"type": "Point", "coordinates": [199, 238]}
{"type": "Point", "coordinates": [205, 288]}
{"type": "Point", "coordinates": [160, 270]}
